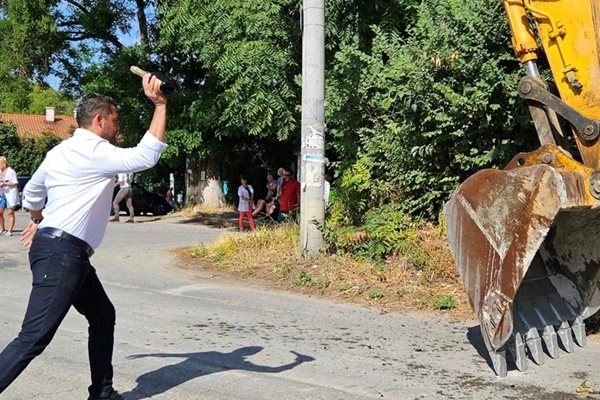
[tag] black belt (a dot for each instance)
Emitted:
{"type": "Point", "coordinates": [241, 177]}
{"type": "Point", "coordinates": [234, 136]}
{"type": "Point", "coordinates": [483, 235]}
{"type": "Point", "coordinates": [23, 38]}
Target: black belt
{"type": "Point", "coordinates": [57, 233]}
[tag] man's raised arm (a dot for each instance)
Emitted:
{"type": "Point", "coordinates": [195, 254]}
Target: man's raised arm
{"type": "Point", "coordinates": [159, 119]}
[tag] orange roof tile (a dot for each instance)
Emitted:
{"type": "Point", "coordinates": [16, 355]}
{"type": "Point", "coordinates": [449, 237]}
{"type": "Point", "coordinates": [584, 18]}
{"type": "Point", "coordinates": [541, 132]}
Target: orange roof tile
{"type": "Point", "coordinates": [63, 125]}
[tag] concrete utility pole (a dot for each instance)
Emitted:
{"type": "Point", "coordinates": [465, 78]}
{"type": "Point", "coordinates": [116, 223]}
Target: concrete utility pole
{"type": "Point", "coordinates": [312, 167]}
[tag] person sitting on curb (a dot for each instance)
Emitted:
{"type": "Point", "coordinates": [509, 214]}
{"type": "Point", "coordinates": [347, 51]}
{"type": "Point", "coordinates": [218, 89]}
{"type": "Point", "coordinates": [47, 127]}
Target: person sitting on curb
{"type": "Point", "coordinates": [268, 203]}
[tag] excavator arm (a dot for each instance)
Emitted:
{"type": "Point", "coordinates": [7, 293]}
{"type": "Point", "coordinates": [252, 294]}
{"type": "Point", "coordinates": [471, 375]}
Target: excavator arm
{"type": "Point", "coordinates": [526, 239]}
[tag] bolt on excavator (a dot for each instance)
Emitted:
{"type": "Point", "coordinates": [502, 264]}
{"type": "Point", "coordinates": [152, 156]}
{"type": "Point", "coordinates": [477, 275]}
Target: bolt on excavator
{"type": "Point", "coordinates": [526, 239]}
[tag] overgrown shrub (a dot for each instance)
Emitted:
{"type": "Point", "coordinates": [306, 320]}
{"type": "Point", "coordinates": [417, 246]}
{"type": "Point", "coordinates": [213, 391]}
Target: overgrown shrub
{"type": "Point", "coordinates": [418, 109]}
{"type": "Point", "coordinates": [386, 231]}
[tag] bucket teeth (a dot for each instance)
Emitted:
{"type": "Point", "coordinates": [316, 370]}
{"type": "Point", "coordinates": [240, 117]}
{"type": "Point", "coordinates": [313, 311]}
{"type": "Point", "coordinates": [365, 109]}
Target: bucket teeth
{"type": "Point", "coordinates": [534, 345]}
{"type": "Point", "coordinates": [578, 328]}
{"type": "Point", "coordinates": [499, 362]}
{"type": "Point", "coordinates": [517, 349]}
{"type": "Point", "coordinates": [566, 336]}
{"type": "Point", "coordinates": [534, 341]}
{"type": "Point", "coordinates": [546, 314]}
{"type": "Point", "coordinates": [551, 341]}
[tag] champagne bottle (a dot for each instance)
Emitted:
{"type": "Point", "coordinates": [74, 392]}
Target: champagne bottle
{"type": "Point", "coordinates": [167, 86]}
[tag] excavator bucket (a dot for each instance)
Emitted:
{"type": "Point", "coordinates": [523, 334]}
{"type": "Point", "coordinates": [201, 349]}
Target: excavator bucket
{"type": "Point", "coordinates": [526, 242]}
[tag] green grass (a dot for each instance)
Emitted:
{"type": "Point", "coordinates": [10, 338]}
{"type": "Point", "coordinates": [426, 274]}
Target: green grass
{"type": "Point", "coordinates": [303, 279]}
{"type": "Point", "coordinates": [375, 294]}
{"type": "Point", "coordinates": [444, 302]}
{"type": "Point", "coordinates": [199, 251]}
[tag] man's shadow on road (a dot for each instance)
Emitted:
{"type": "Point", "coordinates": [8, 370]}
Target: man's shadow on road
{"type": "Point", "coordinates": [199, 364]}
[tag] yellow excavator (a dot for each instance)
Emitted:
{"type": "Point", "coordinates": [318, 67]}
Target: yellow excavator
{"type": "Point", "coordinates": [526, 239]}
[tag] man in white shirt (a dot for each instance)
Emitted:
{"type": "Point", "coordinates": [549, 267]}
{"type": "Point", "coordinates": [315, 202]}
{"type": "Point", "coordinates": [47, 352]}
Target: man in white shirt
{"type": "Point", "coordinates": [77, 179]}
{"type": "Point", "coordinates": [125, 193]}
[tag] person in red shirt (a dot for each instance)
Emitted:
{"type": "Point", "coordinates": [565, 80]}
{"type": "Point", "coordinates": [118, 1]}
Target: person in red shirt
{"type": "Point", "coordinates": [290, 195]}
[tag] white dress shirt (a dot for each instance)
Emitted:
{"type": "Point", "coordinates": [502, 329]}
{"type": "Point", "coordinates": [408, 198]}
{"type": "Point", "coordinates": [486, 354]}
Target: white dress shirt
{"type": "Point", "coordinates": [77, 176]}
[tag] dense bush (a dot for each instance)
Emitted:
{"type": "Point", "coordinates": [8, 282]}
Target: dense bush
{"type": "Point", "coordinates": [434, 103]}
{"type": "Point", "coordinates": [24, 154]}
{"type": "Point", "coordinates": [412, 111]}
{"type": "Point", "coordinates": [386, 231]}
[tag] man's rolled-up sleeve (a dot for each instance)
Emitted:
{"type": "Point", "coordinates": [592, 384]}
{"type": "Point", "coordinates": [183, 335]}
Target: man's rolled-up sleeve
{"type": "Point", "coordinates": [134, 159]}
{"type": "Point", "coordinates": [35, 192]}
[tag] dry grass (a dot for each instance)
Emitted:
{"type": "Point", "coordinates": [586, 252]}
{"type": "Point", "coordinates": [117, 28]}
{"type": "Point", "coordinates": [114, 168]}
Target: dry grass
{"type": "Point", "coordinates": [270, 257]}
{"type": "Point", "coordinates": [191, 211]}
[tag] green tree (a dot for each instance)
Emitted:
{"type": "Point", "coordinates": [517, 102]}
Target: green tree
{"type": "Point", "coordinates": [79, 41]}
{"type": "Point", "coordinates": [24, 154]}
{"type": "Point", "coordinates": [14, 94]}
{"type": "Point", "coordinates": [61, 36]}
{"type": "Point", "coordinates": [243, 59]}
{"type": "Point", "coordinates": [436, 102]}
{"type": "Point", "coordinates": [238, 65]}
{"type": "Point", "coordinates": [41, 97]}
{"type": "Point", "coordinates": [30, 38]}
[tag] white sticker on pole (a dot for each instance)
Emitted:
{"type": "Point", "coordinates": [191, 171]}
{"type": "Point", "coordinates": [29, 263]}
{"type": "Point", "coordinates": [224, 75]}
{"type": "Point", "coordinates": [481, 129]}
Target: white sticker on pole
{"type": "Point", "coordinates": [314, 170]}
{"type": "Point", "coordinates": [315, 140]}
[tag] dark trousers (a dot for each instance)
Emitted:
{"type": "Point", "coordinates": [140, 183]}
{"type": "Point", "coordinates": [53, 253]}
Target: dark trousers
{"type": "Point", "coordinates": [62, 276]}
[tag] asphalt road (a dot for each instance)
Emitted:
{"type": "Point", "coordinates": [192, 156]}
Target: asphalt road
{"type": "Point", "coordinates": [190, 335]}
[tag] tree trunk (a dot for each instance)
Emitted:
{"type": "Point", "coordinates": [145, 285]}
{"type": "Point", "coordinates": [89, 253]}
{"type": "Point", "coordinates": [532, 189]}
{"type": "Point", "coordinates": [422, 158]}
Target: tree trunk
{"type": "Point", "coordinates": [143, 23]}
{"type": "Point", "coordinates": [204, 184]}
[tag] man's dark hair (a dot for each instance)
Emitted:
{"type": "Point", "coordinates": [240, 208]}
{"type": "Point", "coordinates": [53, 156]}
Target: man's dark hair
{"type": "Point", "coordinates": [91, 105]}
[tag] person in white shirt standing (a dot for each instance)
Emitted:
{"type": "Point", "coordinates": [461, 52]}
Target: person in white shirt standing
{"type": "Point", "coordinates": [246, 195]}
{"type": "Point", "coordinates": [77, 177]}
{"type": "Point", "coordinates": [8, 196]}
{"type": "Point", "coordinates": [125, 193]}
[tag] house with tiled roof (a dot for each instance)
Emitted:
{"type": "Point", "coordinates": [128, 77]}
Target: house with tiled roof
{"type": "Point", "coordinates": [61, 126]}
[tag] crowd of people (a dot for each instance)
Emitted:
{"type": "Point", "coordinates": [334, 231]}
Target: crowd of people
{"type": "Point", "coordinates": [280, 203]}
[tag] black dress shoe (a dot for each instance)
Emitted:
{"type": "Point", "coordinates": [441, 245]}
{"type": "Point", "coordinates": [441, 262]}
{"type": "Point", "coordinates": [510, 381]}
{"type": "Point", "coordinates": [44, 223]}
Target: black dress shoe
{"type": "Point", "coordinates": [113, 396]}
